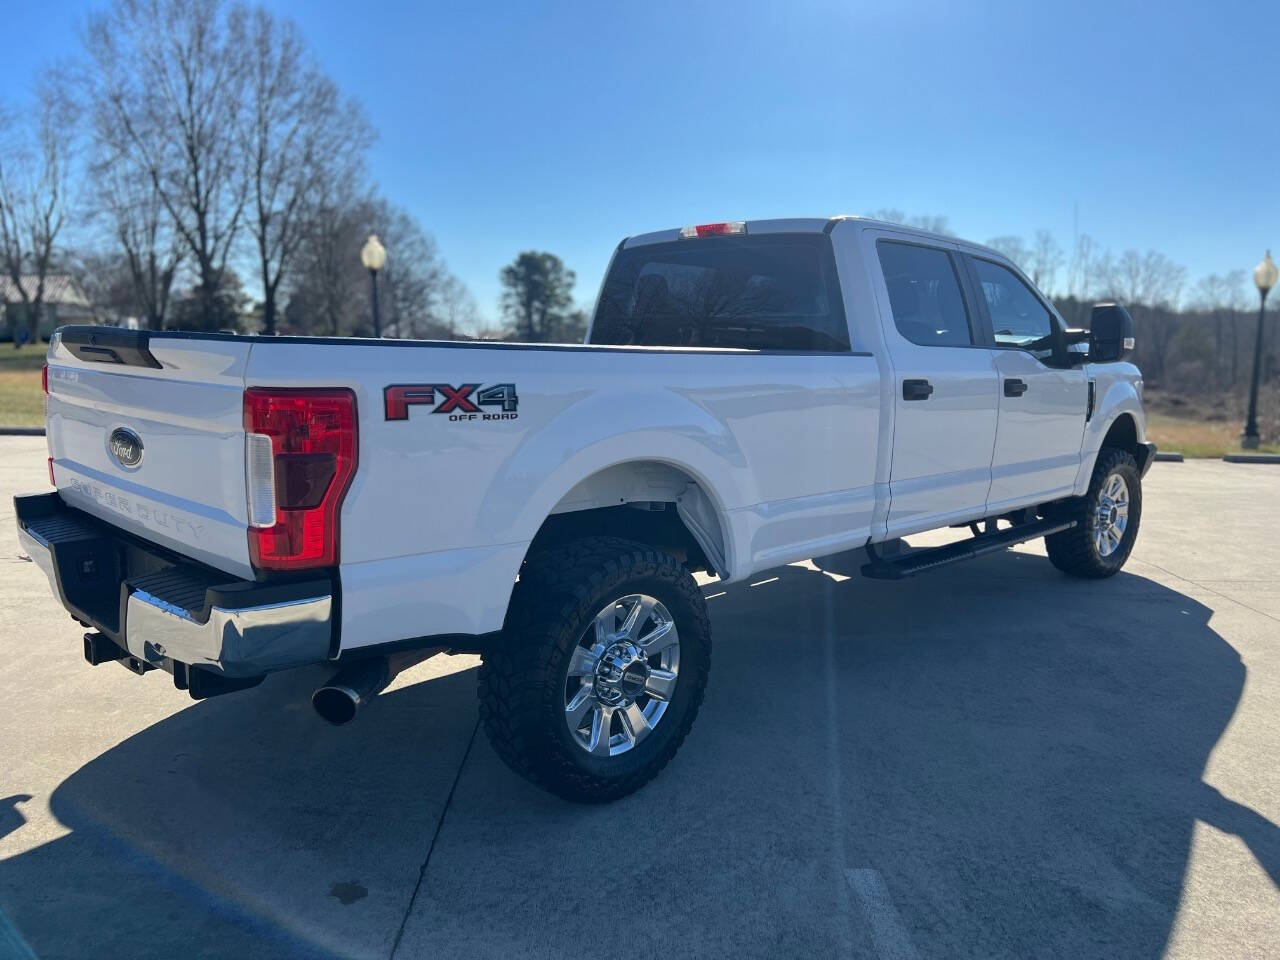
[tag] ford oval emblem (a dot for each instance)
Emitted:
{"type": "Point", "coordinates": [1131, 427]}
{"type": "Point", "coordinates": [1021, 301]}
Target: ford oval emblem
{"type": "Point", "coordinates": [126, 447]}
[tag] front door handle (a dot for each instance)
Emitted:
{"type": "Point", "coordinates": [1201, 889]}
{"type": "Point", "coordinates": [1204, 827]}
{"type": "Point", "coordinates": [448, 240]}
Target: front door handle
{"type": "Point", "coordinates": [916, 389]}
{"type": "Point", "coordinates": [1013, 387]}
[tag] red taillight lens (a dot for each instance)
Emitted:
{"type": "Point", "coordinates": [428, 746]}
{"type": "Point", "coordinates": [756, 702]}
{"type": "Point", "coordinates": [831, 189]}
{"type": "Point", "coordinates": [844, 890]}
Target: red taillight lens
{"type": "Point", "coordinates": [729, 228]}
{"type": "Point", "coordinates": [314, 449]}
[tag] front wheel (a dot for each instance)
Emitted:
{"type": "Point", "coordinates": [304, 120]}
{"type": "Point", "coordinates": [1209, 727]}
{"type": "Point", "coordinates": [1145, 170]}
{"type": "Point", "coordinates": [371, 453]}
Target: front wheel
{"type": "Point", "coordinates": [600, 670]}
{"type": "Point", "coordinates": [1107, 519]}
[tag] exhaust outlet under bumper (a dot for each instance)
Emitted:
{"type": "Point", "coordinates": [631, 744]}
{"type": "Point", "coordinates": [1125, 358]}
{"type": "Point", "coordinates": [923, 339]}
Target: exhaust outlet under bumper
{"type": "Point", "coordinates": [352, 687]}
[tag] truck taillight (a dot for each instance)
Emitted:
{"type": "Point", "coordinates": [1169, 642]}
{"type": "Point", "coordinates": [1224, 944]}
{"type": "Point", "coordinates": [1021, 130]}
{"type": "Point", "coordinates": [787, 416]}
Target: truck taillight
{"type": "Point", "coordinates": [44, 388]}
{"type": "Point", "coordinates": [728, 229]}
{"type": "Point", "coordinates": [300, 456]}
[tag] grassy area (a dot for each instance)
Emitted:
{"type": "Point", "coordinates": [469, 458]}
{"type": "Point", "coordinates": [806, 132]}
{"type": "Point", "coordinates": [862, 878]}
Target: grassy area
{"type": "Point", "coordinates": [21, 403]}
{"type": "Point", "coordinates": [1198, 438]}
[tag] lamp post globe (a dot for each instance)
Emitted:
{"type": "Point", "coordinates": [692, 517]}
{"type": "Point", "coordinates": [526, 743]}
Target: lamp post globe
{"type": "Point", "coordinates": [1265, 275]}
{"type": "Point", "coordinates": [374, 257]}
{"type": "Point", "coordinates": [373, 254]}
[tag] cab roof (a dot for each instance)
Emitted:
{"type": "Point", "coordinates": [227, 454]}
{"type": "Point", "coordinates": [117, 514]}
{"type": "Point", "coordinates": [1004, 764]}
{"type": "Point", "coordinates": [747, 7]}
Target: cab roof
{"type": "Point", "coordinates": [816, 225]}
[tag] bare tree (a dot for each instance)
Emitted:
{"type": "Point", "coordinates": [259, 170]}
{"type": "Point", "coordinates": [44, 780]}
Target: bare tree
{"type": "Point", "coordinates": [324, 291]}
{"type": "Point", "coordinates": [1148, 278]}
{"type": "Point", "coordinates": [458, 310]}
{"type": "Point", "coordinates": [299, 133]}
{"type": "Point", "coordinates": [329, 288]}
{"type": "Point", "coordinates": [1237, 299]}
{"type": "Point", "coordinates": [105, 278]}
{"type": "Point", "coordinates": [1127, 278]}
{"type": "Point", "coordinates": [1213, 296]}
{"type": "Point", "coordinates": [1081, 272]}
{"type": "Point", "coordinates": [889, 215]}
{"type": "Point", "coordinates": [1151, 285]}
{"type": "Point", "coordinates": [931, 222]}
{"type": "Point", "coordinates": [126, 199]}
{"type": "Point", "coordinates": [1014, 248]}
{"type": "Point", "coordinates": [1171, 278]}
{"type": "Point", "coordinates": [171, 74]}
{"type": "Point", "coordinates": [414, 279]}
{"type": "Point", "coordinates": [1045, 259]}
{"type": "Point", "coordinates": [34, 198]}
{"type": "Point", "coordinates": [129, 203]}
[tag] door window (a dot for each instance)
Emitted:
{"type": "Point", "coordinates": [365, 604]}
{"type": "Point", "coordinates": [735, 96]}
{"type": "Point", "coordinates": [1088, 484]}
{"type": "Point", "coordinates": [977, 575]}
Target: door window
{"type": "Point", "coordinates": [924, 294]}
{"type": "Point", "coordinates": [1018, 318]}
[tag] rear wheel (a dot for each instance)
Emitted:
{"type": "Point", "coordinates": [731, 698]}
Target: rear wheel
{"type": "Point", "coordinates": [600, 669]}
{"type": "Point", "coordinates": [1107, 519]}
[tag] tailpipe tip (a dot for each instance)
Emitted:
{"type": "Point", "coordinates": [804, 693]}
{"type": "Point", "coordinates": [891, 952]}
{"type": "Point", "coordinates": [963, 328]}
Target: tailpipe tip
{"type": "Point", "coordinates": [336, 704]}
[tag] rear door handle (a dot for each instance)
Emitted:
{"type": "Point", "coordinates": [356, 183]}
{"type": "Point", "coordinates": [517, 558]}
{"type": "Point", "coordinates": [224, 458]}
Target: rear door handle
{"type": "Point", "coordinates": [916, 389]}
{"type": "Point", "coordinates": [1013, 387]}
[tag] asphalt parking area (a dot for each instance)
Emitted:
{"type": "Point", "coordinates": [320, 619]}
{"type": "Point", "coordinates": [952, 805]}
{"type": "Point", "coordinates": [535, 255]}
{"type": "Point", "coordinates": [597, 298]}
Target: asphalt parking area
{"type": "Point", "coordinates": [986, 761]}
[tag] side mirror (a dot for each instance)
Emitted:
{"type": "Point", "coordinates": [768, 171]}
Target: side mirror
{"type": "Point", "coordinates": [1110, 333]}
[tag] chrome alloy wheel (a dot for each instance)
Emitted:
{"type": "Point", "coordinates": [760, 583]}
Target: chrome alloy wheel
{"type": "Point", "coordinates": [1112, 516]}
{"type": "Point", "coordinates": [622, 675]}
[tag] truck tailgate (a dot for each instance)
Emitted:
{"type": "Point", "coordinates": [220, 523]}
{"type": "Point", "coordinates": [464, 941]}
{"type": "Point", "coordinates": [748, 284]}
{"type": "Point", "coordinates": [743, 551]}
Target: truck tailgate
{"type": "Point", "coordinates": [187, 490]}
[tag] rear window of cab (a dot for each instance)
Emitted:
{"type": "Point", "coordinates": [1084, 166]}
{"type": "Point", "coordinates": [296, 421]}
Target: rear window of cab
{"type": "Point", "coordinates": [763, 292]}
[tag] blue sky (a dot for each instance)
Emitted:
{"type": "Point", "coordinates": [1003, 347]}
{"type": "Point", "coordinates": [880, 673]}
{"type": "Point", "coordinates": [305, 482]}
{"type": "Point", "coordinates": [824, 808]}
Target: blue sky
{"type": "Point", "coordinates": [564, 127]}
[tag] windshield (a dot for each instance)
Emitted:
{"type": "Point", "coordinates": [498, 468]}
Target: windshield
{"type": "Point", "coordinates": [769, 292]}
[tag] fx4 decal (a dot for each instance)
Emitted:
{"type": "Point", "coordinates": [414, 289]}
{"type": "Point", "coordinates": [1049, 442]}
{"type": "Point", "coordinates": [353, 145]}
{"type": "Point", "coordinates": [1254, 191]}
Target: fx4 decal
{"type": "Point", "coordinates": [460, 403]}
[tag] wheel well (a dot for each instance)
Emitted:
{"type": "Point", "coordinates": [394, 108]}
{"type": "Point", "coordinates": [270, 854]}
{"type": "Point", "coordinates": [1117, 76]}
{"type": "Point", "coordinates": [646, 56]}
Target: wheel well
{"type": "Point", "coordinates": [1123, 434]}
{"type": "Point", "coordinates": [647, 501]}
{"type": "Point", "coordinates": [658, 525]}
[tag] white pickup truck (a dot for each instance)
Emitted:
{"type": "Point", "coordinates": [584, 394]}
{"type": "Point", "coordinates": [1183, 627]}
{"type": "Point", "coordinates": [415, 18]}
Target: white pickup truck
{"type": "Point", "coordinates": [751, 394]}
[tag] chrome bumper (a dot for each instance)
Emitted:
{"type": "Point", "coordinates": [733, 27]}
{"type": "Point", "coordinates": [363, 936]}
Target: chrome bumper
{"type": "Point", "coordinates": [234, 641]}
{"type": "Point", "coordinates": [37, 548]}
{"type": "Point", "coordinates": [268, 628]}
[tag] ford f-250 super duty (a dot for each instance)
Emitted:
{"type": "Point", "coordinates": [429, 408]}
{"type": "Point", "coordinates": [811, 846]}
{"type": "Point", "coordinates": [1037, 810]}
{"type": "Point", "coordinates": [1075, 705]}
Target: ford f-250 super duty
{"type": "Point", "coordinates": [750, 394]}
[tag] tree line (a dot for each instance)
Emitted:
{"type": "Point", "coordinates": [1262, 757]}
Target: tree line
{"type": "Point", "coordinates": [195, 168]}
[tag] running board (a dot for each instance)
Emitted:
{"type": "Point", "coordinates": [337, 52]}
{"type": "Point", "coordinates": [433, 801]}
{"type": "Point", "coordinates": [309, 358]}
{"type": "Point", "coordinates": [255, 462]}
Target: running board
{"type": "Point", "coordinates": [926, 558]}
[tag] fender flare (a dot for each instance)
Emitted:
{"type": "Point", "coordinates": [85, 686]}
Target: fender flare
{"type": "Point", "coordinates": [1121, 399]}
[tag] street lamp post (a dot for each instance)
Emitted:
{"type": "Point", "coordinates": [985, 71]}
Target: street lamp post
{"type": "Point", "coordinates": [1264, 275]}
{"type": "Point", "coordinates": [374, 256]}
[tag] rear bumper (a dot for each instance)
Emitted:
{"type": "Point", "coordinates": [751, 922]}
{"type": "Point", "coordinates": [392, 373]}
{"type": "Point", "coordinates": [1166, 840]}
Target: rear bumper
{"type": "Point", "coordinates": [164, 610]}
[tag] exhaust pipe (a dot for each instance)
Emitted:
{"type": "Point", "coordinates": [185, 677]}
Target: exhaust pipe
{"type": "Point", "coordinates": [356, 684]}
{"type": "Point", "coordinates": [350, 689]}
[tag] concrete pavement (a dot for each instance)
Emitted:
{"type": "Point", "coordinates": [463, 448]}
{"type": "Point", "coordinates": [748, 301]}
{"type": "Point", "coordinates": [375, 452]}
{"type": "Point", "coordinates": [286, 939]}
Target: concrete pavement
{"type": "Point", "coordinates": [990, 760]}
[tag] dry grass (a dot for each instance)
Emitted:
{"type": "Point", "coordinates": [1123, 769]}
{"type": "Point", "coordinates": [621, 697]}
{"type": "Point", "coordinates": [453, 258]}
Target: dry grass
{"type": "Point", "coordinates": [1209, 425]}
{"type": "Point", "coordinates": [1197, 438]}
{"type": "Point", "coordinates": [21, 402]}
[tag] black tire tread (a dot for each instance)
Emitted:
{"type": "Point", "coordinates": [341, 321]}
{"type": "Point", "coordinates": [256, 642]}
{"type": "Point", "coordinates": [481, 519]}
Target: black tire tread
{"type": "Point", "coordinates": [1072, 551]}
{"type": "Point", "coordinates": [519, 676]}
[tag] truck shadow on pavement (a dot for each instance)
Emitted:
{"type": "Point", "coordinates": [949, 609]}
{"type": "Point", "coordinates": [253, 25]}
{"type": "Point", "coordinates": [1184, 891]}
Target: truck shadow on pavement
{"type": "Point", "coordinates": [1017, 756]}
